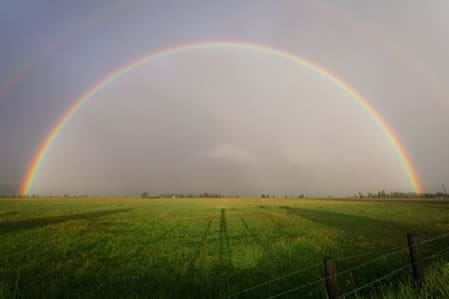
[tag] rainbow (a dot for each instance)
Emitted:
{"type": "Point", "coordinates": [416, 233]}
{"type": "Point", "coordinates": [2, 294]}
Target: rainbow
{"type": "Point", "coordinates": [41, 153]}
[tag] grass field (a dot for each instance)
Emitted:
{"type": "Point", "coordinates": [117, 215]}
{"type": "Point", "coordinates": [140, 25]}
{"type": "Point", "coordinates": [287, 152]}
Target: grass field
{"type": "Point", "coordinates": [211, 248]}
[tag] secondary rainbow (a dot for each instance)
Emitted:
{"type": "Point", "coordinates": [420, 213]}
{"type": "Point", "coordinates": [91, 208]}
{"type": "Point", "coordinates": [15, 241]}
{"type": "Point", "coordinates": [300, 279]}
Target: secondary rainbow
{"type": "Point", "coordinates": [40, 154]}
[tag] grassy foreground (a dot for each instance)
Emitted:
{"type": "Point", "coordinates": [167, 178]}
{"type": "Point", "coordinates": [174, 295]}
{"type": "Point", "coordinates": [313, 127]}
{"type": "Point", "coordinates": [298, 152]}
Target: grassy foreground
{"type": "Point", "coordinates": [212, 248]}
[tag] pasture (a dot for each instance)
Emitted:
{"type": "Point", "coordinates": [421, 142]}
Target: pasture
{"type": "Point", "coordinates": [213, 248]}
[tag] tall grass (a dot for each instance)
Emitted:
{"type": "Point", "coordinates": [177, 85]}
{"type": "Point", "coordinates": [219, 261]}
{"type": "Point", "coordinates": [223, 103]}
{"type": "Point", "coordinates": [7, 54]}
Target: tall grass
{"type": "Point", "coordinates": [207, 248]}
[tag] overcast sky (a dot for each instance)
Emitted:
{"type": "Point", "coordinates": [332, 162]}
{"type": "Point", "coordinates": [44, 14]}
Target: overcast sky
{"type": "Point", "coordinates": [225, 119]}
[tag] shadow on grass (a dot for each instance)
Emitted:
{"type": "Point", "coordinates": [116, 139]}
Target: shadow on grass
{"type": "Point", "coordinates": [163, 278]}
{"type": "Point", "coordinates": [8, 213]}
{"type": "Point", "coordinates": [18, 225]}
{"type": "Point", "coordinates": [275, 222]}
{"type": "Point", "coordinates": [266, 248]}
{"type": "Point", "coordinates": [354, 224]}
{"type": "Point", "coordinates": [224, 242]}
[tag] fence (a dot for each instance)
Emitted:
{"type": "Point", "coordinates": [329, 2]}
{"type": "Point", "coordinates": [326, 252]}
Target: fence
{"type": "Point", "coordinates": [330, 277]}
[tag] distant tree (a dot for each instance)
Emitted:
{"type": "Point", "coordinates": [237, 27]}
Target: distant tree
{"type": "Point", "coordinates": [144, 195]}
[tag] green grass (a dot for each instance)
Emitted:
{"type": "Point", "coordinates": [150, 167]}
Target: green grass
{"type": "Point", "coordinates": [210, 248]}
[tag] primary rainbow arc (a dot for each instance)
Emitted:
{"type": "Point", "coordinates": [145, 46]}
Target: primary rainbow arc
{"type": "Point", "coordinates": [40, 154]}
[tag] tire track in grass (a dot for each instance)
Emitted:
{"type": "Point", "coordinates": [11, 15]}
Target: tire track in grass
{"type": "Point", "coordinates": [197, 253]}
{"type": "Point", "coordinates": [282, 227]}
{"type": "Point", "coordinates": [267, 249]}
{"type": "Point", "coordinates": [274, 221]}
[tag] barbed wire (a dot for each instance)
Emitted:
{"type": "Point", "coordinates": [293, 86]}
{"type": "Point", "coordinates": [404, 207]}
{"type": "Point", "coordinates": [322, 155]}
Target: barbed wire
{"type": "Point", "coordinates": [437, 254]}
{"type": "Point", "coordinates": [366, 254]}
{"type": "Point", "coordinates": [394, 272]}
{"type": "Point", "coordinates": [338, 273]}
{"type": "Point", "coordinates": [442, 236]}
{"type": "Point", "coordinates": [298, 288]}
{"type": "Point", "coordinates": [369, 262]}
{"type": "Point", "coordinates": [273, 280]}
{"type": "Point", "coordinates": [308, 268]}
{"type": "Point", "coordinates": [447, 253]}
{"type": "Point", "coordinates": [389, 252]}
{"type": "Point", "coordinates": [386, 276]}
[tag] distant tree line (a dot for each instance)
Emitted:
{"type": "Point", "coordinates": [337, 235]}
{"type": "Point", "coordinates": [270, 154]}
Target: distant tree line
{"type": "Point", "coordinates": [378, 194]}
{"type": "Point", "coordinates": [383, 194]}
{"type": "Point", "coordinates": [187, 195]}
{"type": "Point", "coordinates": [285, 196]}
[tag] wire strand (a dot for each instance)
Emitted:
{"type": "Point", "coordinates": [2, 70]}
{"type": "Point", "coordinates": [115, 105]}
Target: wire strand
{"type": "Point", "coordinates": [441, 236]}
{"type": "Point", "coordinates": [437, 254]}
{"type": "Point", "coordinates": [274, 280]}
{"type": "Point", "coordinates": [386, 276]}
{"type": "Point", "coordinates": [370, 262]}
{"type": "Point", "coordinates": [366, 254]}
{"type": "Point", "coordinates": [297, 288]}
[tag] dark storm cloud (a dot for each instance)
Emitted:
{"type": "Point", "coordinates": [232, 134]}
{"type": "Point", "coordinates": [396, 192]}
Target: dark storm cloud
{"type": "Point", "coordinates": [392, 53]}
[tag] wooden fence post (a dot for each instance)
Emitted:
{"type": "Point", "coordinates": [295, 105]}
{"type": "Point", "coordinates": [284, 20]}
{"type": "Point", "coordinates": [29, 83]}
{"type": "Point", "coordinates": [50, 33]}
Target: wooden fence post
{"type": "Point", "coordinates": [416, 260]}
{"type": "Point", "coordinates": [330, 274]}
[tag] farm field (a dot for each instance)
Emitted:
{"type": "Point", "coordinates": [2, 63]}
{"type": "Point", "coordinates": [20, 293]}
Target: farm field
{"type": "Point", "coordinates": [214, 248]}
